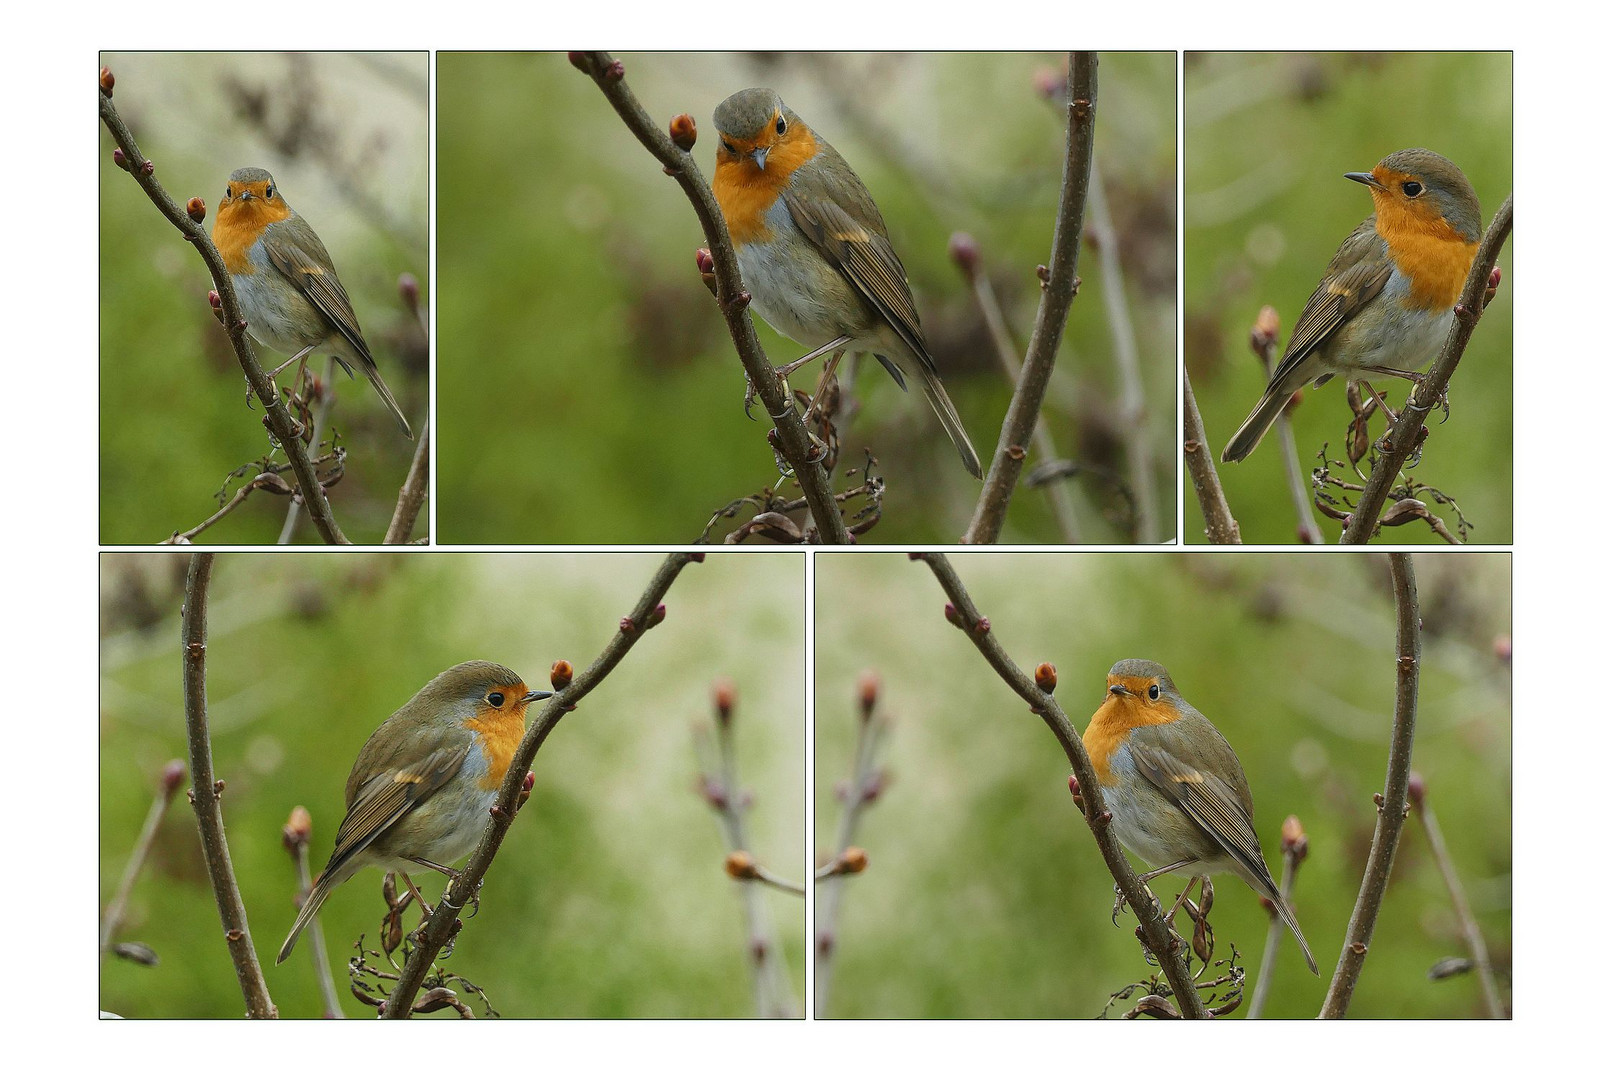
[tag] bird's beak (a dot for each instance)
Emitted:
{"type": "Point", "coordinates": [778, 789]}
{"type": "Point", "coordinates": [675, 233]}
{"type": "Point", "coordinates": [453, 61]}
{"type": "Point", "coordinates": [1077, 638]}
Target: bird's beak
{"type": "Point", "coordinates": [536, 695]}
{"type": "Point", "coordinates": [759, 155]}
{"type": "Point", "coordinates": [1116, 688]}
{"type": "Point", "coordinates": [1362, 178]}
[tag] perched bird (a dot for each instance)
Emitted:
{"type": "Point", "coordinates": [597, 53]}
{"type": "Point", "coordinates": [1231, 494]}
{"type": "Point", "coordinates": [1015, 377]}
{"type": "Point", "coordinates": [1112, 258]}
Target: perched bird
{"type": "Point", "coordinates": [421, 790]}
{"type": "Point", "coordinates": [1384, 306]}
{"type": "Point", "coordinates": [1174, 787]}
{"type": "Point", "coordinates": [286, 283]}
{"type": "Point", "coordinates": [815, 255]}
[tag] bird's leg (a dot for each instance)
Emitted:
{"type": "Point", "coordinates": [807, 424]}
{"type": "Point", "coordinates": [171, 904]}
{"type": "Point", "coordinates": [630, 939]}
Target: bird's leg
{"type": "Point", "coordinates": [448, 872]}
{"type": "Point", "coordinates": [291, 360]}
{"type": "Point", "coordinates": [829, 375]}
{"type": "Point", "coordinates": [1376, 396]}
{"type": "Point", "coordinates": [410, 887]}
{"type": "Point", "coordinates": [750, 392]}
{"type": "Point", "coordinates": [1180, 900]}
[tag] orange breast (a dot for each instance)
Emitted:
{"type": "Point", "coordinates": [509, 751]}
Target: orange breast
{"type": "Point", "coordinates": [1427, 251]}
{"type": "Point", "coordinates": [499, 734]}
{"type": "Point", "coordinates": [745, 191]}
{"type": "Point", "coordinates": [1115, 719]}
{"type": "Point", "coordinates": [239, 226]}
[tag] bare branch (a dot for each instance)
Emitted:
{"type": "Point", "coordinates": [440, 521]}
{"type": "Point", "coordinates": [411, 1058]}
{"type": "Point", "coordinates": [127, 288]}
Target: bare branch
{"type": "Point", "coordinates": [648, 613]}
{"type": "Point", "coordinates": [173, 775]}
{"type": "Point", "coordinates": [205, 791]}
{"type": "Point", "coordinates": [413, 493]}
{"type": "Point", "coordinates": [1059, 284]}
{"type": "Point", "coordinates": [1402, 439]}
{"type": "Point", "coordinates": [1220, 526]}
{"type": "Point", "coordinates": [1480, 957]}
{"type": "Point", "coordinates": [1170, 949]}
{"type": "Point", "coordinates": [1295, 847]}
{"type": "Point", "coordinates": [1393, 802]}
{"type": "Point", "coordinates": [792, 439]}
{"type": "Point", "coordinates": [277, 418]}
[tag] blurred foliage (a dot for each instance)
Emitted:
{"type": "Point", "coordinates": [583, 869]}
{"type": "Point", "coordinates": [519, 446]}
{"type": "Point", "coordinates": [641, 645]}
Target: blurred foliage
{"type": "Point", "coordinates": [346, 136]}
{"type": "Point", "coordinates": [569, 289]}
{"type": "Point", "coordinates": [986, 896]}
{"type": "Point", "coordinates": [1269, 136]}
{"type": "Point", "coordinates": [608, 897]}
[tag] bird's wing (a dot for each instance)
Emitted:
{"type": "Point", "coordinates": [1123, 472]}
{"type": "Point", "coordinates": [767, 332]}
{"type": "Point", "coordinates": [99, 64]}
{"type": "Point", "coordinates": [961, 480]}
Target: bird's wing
{"type": "Point", "coordinates": [854, 243]}
{"type": "Point", "coordinates": [384, 798]}
{"type": "Point", "coordinates": [1351, 281]}
{"type": "Point", "coordinates": [1208, 801]}
{"type": "Point", "coordinates": [304, 261]}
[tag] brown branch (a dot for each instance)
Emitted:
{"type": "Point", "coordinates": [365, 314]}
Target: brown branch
{"type": "Point", "coordinates": [205, 791]}
{"type": "Point", "coordinates": [792, 439]}
{"type": "Point", "coordinates": [1220, 526]}
{"type": "Point", "coordinates": [1264, 343]}
{"type": "Point", "coordinates": [1295, 848]}
{"type": "Point", "coordinates": [413, 493]}
{"type": "Point", "coordinates": [173, 775]}
{"type": "Point", "coordinates": [648, 613]}
{"type": "Point", "coordinates": [323, 409]}
{"type": "Point", "coordinates": [1170, 949]}
{"type": "Point", "coordinates": [1059, 284]}
{"type": "Point", "coordinates": [860, 791]}
{"type": "Point", "coordinates": [966, 253]}
{"type": "Point", "coordinates": [295, 837]}
{"type": "Point", "coordinates": [280, 422]}
{"type": "Point", "coordinates": [1403, 438]}
{"type": "Point", "coordinates": [1460, 900]}
{"type": "Point", "coordinates": [1142, 439]}
{"type": "Point", "coordinates": [1393, 802]}
{"type": "Point", "coordinates": [236, 500]}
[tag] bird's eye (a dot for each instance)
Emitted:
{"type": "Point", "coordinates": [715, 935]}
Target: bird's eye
{"type": "Point", "coordinates": [782, 125]}
{"type": "Point", "coordinates": [270, 191]}
{"type": "Point", "coordinates": [728, 147]}
{"type": "Point", "coordinates": [227, 191]}
{"type": "Point", "coordinates": [1153, 691]}
{"type": "Point", "coordinates": [1412, 189]}
{"type": "Point", "coordinates": [496, 699]}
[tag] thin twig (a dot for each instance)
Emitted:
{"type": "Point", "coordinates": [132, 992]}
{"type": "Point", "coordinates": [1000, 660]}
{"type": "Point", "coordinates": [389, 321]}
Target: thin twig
{"type": "Point", "coordinates": [648, 613]}
{"type": "Point", "coordinates": [281, 424]}
{"type": "Point", "coordinates": [239, 497]}
{"type": "Point", "coordinates": [1294, 847]}
{"type": "Point", "coordinates": [413, 493]}
{"type": "Point", "coordinates": [1403, 438]}
{"type": "Point", "coordinates": [1460, 899]}
{"type": "Point", "coordinates": [295, 837]}
{"type": "Point", "coordinates": [1170, 949]}
{"type": "Point", "coordinates": [323, 409]}
{"type": "Point", "coordinates": [1393, 802]}
{"type": "Point", "coordinates": [1264, 343]}
{"type": "Point", "coordinates": [173, 775]}
{"type": "Point", "coordinates": [1059, 285]}
{"type": "Point", "coordinates": [205, 791]}
{"type": "Point", "coordinates": [1141, 436]}
{"type": "Point", "coordinates": [793, 440]}
{"type": "Point", "coordinates": [965, 250]}
{"type": "Point", "coordinates": [863, 787]}
{"type": "Point", "coordinates": [1219, 524]}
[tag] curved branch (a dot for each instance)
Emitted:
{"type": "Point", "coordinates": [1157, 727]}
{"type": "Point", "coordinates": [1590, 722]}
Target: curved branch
{"type": "Point", "coordinates": [1393, 802]}
{"type": "Point", "coordinates": [413, 493]}
{"type": "Point", "coordinates": [277, 418]}
{"type": "Point", "coordinates": [792, 439]}
{"type": "Point", "coordinates": [205, 791]}
{"type": "Point", "coordinates": [1166, 945]}
{"type": "Point", "coordinates": [1403, 438]}
{"type": "Point", "coordinates": [1057, 292]}
{"type": "Point", "coordinates": [1220, 527]}
{"type": "Point", "coordinates": [648, 613]}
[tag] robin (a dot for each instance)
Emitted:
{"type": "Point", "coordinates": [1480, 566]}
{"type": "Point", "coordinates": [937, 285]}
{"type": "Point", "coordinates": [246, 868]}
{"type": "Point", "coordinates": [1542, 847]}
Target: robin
{"type": "Point", "coordinates": [286, 283]}
{"type": "Point", "coordinates": [814, 252]}
{"type": "Point", "coordinates": [1384, 306]}
{"type": "Point", "coordinates": [421, 791]}
{"type": "Point", "coordinates": [1174, 787]}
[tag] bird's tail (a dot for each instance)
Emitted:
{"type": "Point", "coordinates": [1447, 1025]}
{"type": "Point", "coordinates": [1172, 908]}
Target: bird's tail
{"type": "Point", "coordinates": [318, 893]}
{"type": "Point", "coordinates": [935, 391]}
{"type": "Point", "coordinates": [1258, 423]}
{"type": "Point", "coordinates": [376, 378]}
{"type": "Point", "coordinates": [1286, 913]}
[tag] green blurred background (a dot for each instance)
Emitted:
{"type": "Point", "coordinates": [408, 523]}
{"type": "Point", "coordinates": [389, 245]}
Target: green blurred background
{"type": "Point", "coordinates": [569, 292]}
{"type": "Point", "coordinates": [346, 136]}
{"type": "Point", "coordinates": [986, 896]}
{"type": "Point", "coordinates": [608, 897]}
{"type": "Point", "coordinates": [1269, 136]}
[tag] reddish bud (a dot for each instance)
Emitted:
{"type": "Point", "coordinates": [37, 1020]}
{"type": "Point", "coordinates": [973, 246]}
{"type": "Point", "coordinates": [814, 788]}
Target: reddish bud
{"type": "Point", "coordinates": [740, 865]}
{"type": "Point", "coordinates": [713, 793]}
{"type": "Point", "coordinates": [148, 168]}
{"type": "Point", "coordinates": [1048, 82]}
{"type": "Point", "coordinates": [614, 71]}
{"type": "Point", "coordinates": [852, 861]}
{"type": "Point", "coordinates": [725, 696]}
{"type": "Point", "coordinates": [296, 833]}
{"type": "Point", "coordinates": [172, 776]}
{"type": "Point", "coordinates": [1494, 279]}
{"type": "Point", "coordinates": [655, 618]}
{"type": "Point", "coordinates": [106, 76]}
{"type": "Point", "coordinates": [695, 556]}
{"type": "Point", "coordinates": [625, 625]}
{"type": "Point", "coordinates": [410, 290]}
{"type": "Point", "coordinates": [528, 788]}
{"type": "Point", "coordinates": [1046, 678]}
{"type": "Point", "coordinates": [119, 159]}
{"type": "Point", "coordinates": [1264, 333]}
{"type": "Point", "coordinates": [951, 614]}
{"type": "Point", "coordinates": [1075, 789]}
{"type": "Point", "coordinates": [213, 299]}
{"type": "Point", "coordinates": [1503, 648]}
{"type": "Point", "coordinates": [1416, 789]}
{"type": "Point", "coordinates": [706, 261]}
{"type": "Point", "coordinates": [965, 252]}
{"type": "Point", "coordinates": [1295, 842]}
{"type": "Point", "coordinates": [684, 132]}
{"type": "Point", "coordinates": [562, 675]}
{"type": "Point", "coordinates": [579, 61]}
{"type": "Point", "coordinates": [196, 209]}
{"type": "Point", "coordinates": [983, 626]}
{"type": "Point", "coordinates": [867, 686]}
